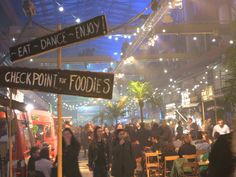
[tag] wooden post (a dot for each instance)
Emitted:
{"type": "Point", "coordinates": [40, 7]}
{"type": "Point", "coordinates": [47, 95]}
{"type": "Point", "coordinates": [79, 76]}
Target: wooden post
{"type": "Point", "coordinates": [59, 115]}
{"type": "Point", "coordinates": [215, 110]}
{"type": "Point", "coordinates": [10, 136]}
{"type": "Point", "coordinates": [203, 113]}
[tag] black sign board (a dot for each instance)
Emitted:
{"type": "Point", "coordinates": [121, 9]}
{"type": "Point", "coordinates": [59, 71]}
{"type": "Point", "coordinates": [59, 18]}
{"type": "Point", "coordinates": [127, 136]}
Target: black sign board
{"type": "Point", "coordinates": [80, 83]}
{"type": "Point", "coordinates": [4, 101]}
{"type": "Point", "coordinates": [92, 28]}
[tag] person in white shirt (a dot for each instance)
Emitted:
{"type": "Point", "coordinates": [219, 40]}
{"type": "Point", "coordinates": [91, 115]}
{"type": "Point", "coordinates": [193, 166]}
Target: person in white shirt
{"type": "Point", "coordinates": [44, 165]}
{"type": "Point", "coordinates": [221, 128]}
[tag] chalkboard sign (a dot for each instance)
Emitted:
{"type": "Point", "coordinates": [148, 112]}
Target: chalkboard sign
{"type": "Point", "coordinates": [92, 28]}
{"type": "Point", "coordinates": [80, 83]}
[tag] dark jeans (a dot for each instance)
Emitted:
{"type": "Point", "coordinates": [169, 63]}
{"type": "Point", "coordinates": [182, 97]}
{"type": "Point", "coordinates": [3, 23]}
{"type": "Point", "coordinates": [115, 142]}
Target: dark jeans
{"type": "Point", "coordinates": [100, 171]}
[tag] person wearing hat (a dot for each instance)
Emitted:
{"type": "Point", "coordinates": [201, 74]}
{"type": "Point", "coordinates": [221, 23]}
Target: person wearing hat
{"type": "Point", "coordinates": [123, 162]}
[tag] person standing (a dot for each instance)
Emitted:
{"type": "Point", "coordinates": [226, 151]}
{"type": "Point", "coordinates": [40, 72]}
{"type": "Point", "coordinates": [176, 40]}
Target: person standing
{"type": "Point", "coordinates": [193, 128]}
{"type": "Point", "coordinates": [70, 152]}
{"type": "Point", "coordinates": [99, 154]}
{"type": "Point", "coordinates": [166, 133]}
{"type": "Point", "coordinates": [179, 129]}
{"type": "Point", "coordinates": [221, 128]}
{"type": "Point", "coordinates": [44, 165]}
{"type": "Point", "coordinates": [34, 155]}
{"type": "Point", "coordinates": [142, 135]}
{"type": "Point", "coordinates": [123, 162]}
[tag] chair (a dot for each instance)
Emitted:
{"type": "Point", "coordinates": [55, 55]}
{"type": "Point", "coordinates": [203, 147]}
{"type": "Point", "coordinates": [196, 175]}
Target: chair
{"type": "Point", "coordinates": [194, 167]}
{"type": "Point", "coordinates": [192, 157]}
{"type": "Point", "coordinates": [152, 162]}
{"type": "Point", "coordinates": [166, 159]}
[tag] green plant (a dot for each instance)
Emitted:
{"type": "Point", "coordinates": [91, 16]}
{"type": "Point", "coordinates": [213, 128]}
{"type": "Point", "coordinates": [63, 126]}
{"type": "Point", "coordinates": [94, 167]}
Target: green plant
{"type": "Point", "coordinates": [116, 109]}
{"type": "Point", "coordinates": [141, 91]}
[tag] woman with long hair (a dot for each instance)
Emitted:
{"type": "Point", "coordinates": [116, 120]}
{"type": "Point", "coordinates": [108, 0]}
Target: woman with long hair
{"type": "Point", "coordinates": [70, 152]}
{"type": "Point", "coordinates": [99, 154]}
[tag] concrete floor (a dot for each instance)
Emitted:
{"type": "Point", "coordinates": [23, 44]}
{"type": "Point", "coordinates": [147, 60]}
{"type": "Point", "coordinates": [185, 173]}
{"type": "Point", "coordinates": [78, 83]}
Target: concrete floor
{"type": "Point", "coordinates": [84, 168]}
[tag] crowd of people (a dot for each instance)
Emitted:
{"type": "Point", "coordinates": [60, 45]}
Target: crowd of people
{"type": "Point", "coordinates": [119, 150]}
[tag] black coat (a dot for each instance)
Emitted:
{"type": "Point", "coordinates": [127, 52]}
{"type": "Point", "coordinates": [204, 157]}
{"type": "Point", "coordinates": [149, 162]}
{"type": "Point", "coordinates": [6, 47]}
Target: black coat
{"type": "Point", "coordinates": [143, 135]}
{"type": "Point", "coordinates": [166, 134]}
{"type": "Point", "coordinates": [187, 149]}
{"type": "Point", "coordinates": [93, 155]}
{"type": "Point", "coordinates": [123, 161]}
{"type": "Point", "coordinates": [70, 161]}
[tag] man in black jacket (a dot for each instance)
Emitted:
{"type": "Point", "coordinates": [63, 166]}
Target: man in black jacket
{"type": "Point", "coordinates": [123, 162]}
{"type": "Point", "coordinates": [34, 155]}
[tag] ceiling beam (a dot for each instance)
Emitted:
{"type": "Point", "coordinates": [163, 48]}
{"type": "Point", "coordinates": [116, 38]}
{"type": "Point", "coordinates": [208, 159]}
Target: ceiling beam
{"type": "Point", "coordinates": [74, 60]}
{"type": "Point", "coordinates": [164, 56]}
{"type": "Point", "coordinates": [175, 29]}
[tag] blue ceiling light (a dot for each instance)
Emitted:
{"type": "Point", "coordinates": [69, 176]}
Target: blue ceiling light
{"type": "Point", "coordinates": [116, 38]}
{"type": "Point", "coordinates": [110, 37]}
{"type": "Point", "coordinates": [115, 53]}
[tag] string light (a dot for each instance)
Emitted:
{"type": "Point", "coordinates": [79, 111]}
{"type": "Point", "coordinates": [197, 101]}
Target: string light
{"type": "Point", "coordinates": [231, 42]}
{"type": "Point", "coordinates": [13, 39]}
{"type": "Point", "coordinates": [77, 20]}
{"type": "Point", "coordinates": [165, 71]}
{"type": "Point", "coordinates": [61, 9]}
{"type": "Point", "coordinates": [164, 30]}
{"type": "Point", "coordinates": [213, 40]}
{"type": "Point", "coordinates": [194, 38]}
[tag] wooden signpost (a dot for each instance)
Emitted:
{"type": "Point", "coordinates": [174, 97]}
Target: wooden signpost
{"type": "Point", "coordinates": [86, 30]}
{"type": "Point", "coordinates": [87, 84]}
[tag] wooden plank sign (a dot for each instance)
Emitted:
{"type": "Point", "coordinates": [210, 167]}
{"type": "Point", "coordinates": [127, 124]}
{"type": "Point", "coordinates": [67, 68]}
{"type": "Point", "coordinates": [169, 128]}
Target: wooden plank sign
{"type": "Point", "coordinates": [80, 83]}
{"type": "Point", "coordinates": [92, 28]}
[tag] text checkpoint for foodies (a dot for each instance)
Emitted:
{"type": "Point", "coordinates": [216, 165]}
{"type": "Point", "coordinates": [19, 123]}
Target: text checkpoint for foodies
{"type": "Point", "coordinates": [80, 83]}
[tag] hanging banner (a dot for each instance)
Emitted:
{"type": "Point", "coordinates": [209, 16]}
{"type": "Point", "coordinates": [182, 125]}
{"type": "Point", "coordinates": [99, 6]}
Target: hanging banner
{"type": "Point", "coordinates": [80, 83]}
{"type": "Point", "coordinates": [90, 29]}
{"type": "Point", "coordinates": [208, 93]}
